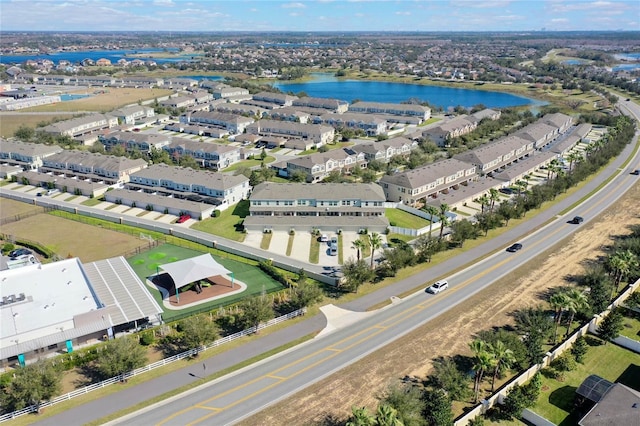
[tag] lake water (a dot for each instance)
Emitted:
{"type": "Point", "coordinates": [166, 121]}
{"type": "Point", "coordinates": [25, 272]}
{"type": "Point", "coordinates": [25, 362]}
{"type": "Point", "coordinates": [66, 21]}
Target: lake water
{"type": "Point", "coordinates": [112, 55]}
{"type": "Point", "coordinates": [327, 86]}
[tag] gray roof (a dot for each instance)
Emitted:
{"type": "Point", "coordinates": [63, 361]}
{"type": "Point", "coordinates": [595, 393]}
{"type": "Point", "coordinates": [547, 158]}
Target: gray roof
{"type": "Point", "coordinates": [220, 117]}
{"type": "Point", "coordinates": [536, 131]}
{"type": "Point", "coordinates": [349, 117]}
{"type": "Point", "coordinates": [95, 160]}
{"type": "Point", "coordinates": [318, 191]}
{"type": "Point", "coordinates": [524, 165]}
{"type": "Point", "coordinates": [116, 284]}
{"type": "Point", "coordinates": [594, 387]}
{"type": "Point", "coordinates": [308, 161]}
{"type": "Point", "coordinates": [557, 119]}
{"type": "Point", "coordinates": [620, 405]}
{"type": "Point", "coordinates": [486, 153]}
{"type": "Point", "coordinates": [188, 176]}
{"type": "Point", "coordinates": [319, 102]}
{"type": "Point", "coordinates": [389, 106]}
{"type": "Point", "coordinates": [66, 125]}
{"type": "Point", "coordinates": [582, 130]}
{"type": "Point", "coordinates": [485, 113]}
{"type": "Point", "coordinates": [427, 174]}
{"type": "Point", "coordinates": [28, 149]}
{"type": "Point", "coordinates": [194, 145]}
{"type": "Point", "coordinates": [288, 126]}
{"type": "Point", "coordinates": [144, 198]}
{"type": "Point", "coordinates": [271, 97]}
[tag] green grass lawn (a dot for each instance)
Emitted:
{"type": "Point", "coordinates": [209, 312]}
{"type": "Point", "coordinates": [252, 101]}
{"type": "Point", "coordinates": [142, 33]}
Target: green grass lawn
{"type": "Point", "coordinates": [609, 361]}
{"type": "Point", "coordinates": [631, 325]}
{"type": "Point", "coordinates": [92, 201]}
{"type": "Point", "coordinates": [249, 163]}
{"type": "Point", "coordinates": [147, 264]}
{"type": "Point", "coordinates": [314, 251]}
{"type": "Point", "coordinates": [405, 220]}
{"type": "Point", "coordinates": [228, 224]}
{"type": "Point", "coordinates": [266, 240]}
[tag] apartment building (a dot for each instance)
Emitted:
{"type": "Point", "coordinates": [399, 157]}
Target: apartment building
{"type": "Point", "coordinates": [221, 189]}
{"type": "Point", "coordinates": [92, 166]}
{"type": "Point", "coordinates": [29, 156]}
{"type": "Point", "coordinates": [209, 155]}
{"type": "Point", "coordinates": [497, 155]}
{"type": "Point", "coordinates": [372, 125]}
{"type": "Point", "coordinates": [325, 206]}
{"type": "Point", "coordinates": [456, 127]}
{"type": "Point", "coordinates": [132, 141]}
{"type": "Point", "coordinates": [318, 166]}
{"type": "Point", "coordinates": [223, 91]}
{"type": "Point", "coordinates": [385, 150]}
{"type": "Point", "coordinates": [422, 112]}
{"type": "Point", "coordinates": [289, 114]}
{"type": "Point", "coordinates": [333, 105]}
{"type": "Point", "coordinates": [417, 186]}
{"type": "Point", "coordinates": [233, 123]}
{"type": "Point", "coordinates": [278, 99]}
{"type": "Point", "coordinates": [133, 114]}
{"type": "Point", "coordinates": [317, 133]}
{"type": "Point", "coordinates": [82, 125]}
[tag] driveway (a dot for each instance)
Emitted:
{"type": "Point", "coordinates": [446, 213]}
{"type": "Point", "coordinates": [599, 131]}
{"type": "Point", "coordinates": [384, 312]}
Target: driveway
{"type": "Point", "coordinates": [348, 252]}
{"type": "Point", "coordinates": [279, 242]}
{"type": "Point", "coordinates": [301, 246]}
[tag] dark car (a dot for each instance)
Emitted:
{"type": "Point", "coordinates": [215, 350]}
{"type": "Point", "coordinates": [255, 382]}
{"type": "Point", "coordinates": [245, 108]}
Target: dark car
{"type": "Point", "coordinates": [636, 172]}
{"type": "Point", "coordinates": [577, 220]}
{"type": "Point", "coordinates": [514, 247]}
{"type": "Point", "coordinates": [19, 252]}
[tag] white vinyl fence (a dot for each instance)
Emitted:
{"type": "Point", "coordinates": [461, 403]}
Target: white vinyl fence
{"type": "Point", "coordinates": [162, 362]}
{"type": "Point", "coordinates": [501, 394]}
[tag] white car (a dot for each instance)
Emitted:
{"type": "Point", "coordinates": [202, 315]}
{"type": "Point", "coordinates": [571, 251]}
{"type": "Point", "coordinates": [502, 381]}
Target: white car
{"type": "Point", "coordinates": [437, 287]}
{"type": "Point", "coordinates": [324, 238]}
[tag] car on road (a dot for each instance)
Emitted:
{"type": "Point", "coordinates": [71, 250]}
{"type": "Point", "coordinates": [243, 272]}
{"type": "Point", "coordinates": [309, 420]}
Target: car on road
{"type": "Point", "coordinates": [577, 220]}
{"type": "Point", "coordinates": [437, 287]}
{"type": "Point", "coordinates": [636, 172]}
{"type": "Point", "coordinates": [14, 254]}
{"type": "Point", "coordinates": [514, 247]}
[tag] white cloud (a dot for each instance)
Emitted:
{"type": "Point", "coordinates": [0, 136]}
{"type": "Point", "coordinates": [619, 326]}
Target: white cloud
{"type": "Point", "coordinates": [164, 3]}
{"type": "Point", "coordinates": [559, 20]}
{"type": "Point", "coordinates": [479, 4]}
{"type": "Point", "coordinates": [403, 13]}
{"type": "Point", "coordinates": [293, 5]}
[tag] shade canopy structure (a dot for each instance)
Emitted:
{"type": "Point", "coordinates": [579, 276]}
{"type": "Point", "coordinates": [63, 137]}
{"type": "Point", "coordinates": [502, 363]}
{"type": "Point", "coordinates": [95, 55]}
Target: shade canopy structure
{"type": "Point", "coordinates": [186, 271]}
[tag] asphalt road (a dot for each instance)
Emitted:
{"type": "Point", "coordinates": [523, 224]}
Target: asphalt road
{"type": "Point", "coordinates": [238, 396]}
{"type": "Point", "coordinates": [246, 392]}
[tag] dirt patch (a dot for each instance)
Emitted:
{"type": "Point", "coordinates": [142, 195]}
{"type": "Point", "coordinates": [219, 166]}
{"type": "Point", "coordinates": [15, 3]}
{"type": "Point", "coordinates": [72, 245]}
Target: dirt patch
{"type": "Point", "coordinates": [450, 333]}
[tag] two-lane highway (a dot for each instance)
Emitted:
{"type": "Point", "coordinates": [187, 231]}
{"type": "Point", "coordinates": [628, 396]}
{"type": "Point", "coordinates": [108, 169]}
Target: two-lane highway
{"type": "Point", "coordinates": [235, 397]}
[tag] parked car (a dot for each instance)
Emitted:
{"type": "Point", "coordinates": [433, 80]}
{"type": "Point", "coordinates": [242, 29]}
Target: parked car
{"type": "Point", "coordinates": [52, 191]}
{"type": "Point", "coordinates": [333, 249]}
{"type": "Point", "coordinates": [577, 220]}
{"type": "Point", "coordinates": [19, 252]}
{"type": "Point", "coordinates": [514, 247]}
{"type": "Point", "coordinates": [437, 287]}
{"type": "Point", "coordinates": [39, 194]}
{"type": "Point", "coordinates": [324, 238]}
{"type": "Point", "coordinates": [184, 218]}
{"type": "Point", "coordinates": [334, 240]}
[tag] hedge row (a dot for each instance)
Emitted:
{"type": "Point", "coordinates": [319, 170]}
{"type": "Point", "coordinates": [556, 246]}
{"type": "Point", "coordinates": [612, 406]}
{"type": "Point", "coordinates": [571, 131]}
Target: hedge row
{"type": "Point", "coordinates": [275, 273]}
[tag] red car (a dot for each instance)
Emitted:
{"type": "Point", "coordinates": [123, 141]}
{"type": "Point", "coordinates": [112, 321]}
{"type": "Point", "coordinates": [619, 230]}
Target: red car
{"type": "Point", "coordinates": [184, 218]}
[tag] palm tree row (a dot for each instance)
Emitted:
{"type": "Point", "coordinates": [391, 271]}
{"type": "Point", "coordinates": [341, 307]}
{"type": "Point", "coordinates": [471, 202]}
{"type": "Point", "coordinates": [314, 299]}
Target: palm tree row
{"type": "Point", "coordinates": [489, 357]}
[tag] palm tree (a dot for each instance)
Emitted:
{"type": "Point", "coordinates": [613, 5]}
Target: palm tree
{"type": "Point", "coordinates": [432, 213]}
{"type": "Point", "coordinates": [494, 195]}
{"type": "Point", "coordinates": [444, 219]}
{"type": "Point", "coordinates": [358, 245]}
{"type": "Point", "coordinates": [484, 201]}
{"type": "Point", "coordinates": [521, 185]}
{"type": "Point", "coordinates": [360, 417]}
{"type": "Point", "coordinates": [552, 167]}
{"type": "Point", "coordinates": [375, 241]}
{"type": "Point", "coordinates": [621, 262]}
{"type": "Point", "coordinates": [577, 301]}
{"type": "Point", "coordinates": [482, 362]}
{"type": "Point", "coordinates": [387, 416]}
{"type": "Point", "coordinates": [573, 157]}
{"type": "Point", "coordinates": [558, 302]}
{"type": "Point", "coordinates": [503, 358]}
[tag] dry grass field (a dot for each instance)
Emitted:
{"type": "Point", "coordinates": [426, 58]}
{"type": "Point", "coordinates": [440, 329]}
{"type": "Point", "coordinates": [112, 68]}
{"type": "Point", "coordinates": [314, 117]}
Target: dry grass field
{"type": "Point", "coordinates": [66, 237]}
{"type": "Point", "coordinates": [112, 98]}
{"type": "Point", "coordinates": [11, 121]}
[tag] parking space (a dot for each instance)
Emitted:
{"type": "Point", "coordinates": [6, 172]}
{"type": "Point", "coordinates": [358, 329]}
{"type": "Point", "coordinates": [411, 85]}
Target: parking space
{"type": "Point", "coordinates": [279, 242]}
{"type": "Point", "coordinates": [301, 245]}
{"type": "Point", "coordinates": [134, 211]}
{"type": "Point", "coordinates": [166, 218]}
{"type": "Point", "coordinates": [120, 208]}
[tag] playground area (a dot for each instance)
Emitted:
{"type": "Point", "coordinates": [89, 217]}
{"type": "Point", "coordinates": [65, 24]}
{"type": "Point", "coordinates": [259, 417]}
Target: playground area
{"type": "Point", "coordinates": [207, 293]}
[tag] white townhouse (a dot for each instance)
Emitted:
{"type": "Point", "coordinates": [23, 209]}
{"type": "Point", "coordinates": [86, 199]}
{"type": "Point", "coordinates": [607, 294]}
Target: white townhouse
{"type": "Point", "coordinates": [386, 149]}
{"type": "Point", "coordinates": [221, 189]}
{"type": "Point", "coordinates": [317, 133]}
{"type": "Point", "coordinates": [279, 99]}
{"type": "Point", "coordinates": [93, 166]}
{"type": "Point", "coordinates": [497, 155]}
{"type": "Point", "coordinates": [209, 155]}
{"type": "Point", "coordinates": [318, 166]}
{"type": "Point", "coordinates": [371, 124]}
{"type": "Point", "coordinates": [233, 123]}
{"type": "Point", "coordinates": [133, 114]}
{"type": "Point", "coordinates": [82, 125]}
{"type": "Point", "coordinates": [425, 183]}
{"type": "Point", "coordinates": [223, 91]}
{"type": "Point", "coordinates": [133, 141]}
{"type": "Point", "coordinates": [328, 207]}
{"type": "Point", "coordinates": [29, 156]}
{"type": "Point", "coordinates": [422, 112]}
{"type": "Point", "coordinates": [333, 105]}
{"type": "Point", "coordinates": [456, 127]}
{"type": "Point", "coordinates": [179, 102]}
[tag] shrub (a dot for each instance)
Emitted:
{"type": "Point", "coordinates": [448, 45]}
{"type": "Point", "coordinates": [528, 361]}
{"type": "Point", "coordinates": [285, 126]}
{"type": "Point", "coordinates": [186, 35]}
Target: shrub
{"type": "Point", "coordinates": [563, 363]}
{"type": "Point", "coordinates": [147, 338]}
{"type": "Point", "coordinates": [579, 349]}
{"type": "Point", "coordinates": [6, 248]}
{"type": "Point", "coordinates": [215, 213]}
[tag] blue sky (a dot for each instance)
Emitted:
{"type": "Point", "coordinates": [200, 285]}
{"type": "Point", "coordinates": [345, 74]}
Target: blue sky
{"type": "Point", "coordinates": [318, 15]}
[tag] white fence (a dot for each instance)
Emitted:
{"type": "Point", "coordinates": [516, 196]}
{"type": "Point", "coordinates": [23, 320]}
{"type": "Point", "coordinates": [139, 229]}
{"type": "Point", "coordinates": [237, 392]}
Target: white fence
{"type": "Point", "coordinates": [149, 367]}
{"type": "Point", "coordinates": [499, 396]}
